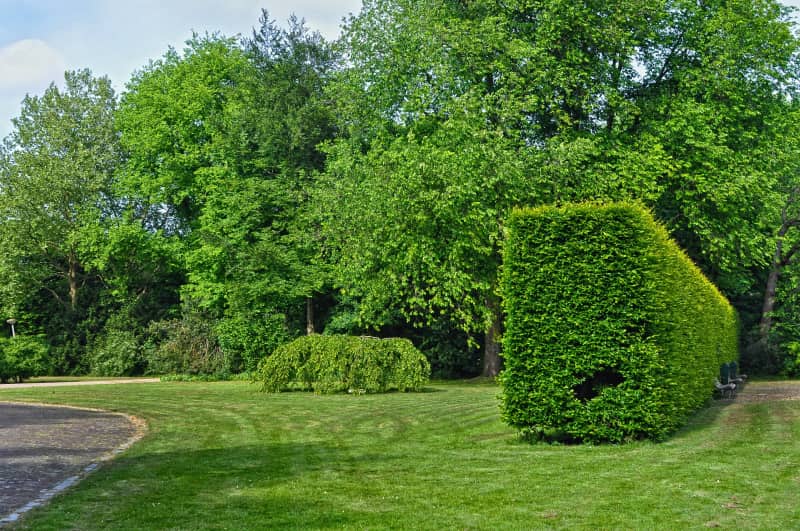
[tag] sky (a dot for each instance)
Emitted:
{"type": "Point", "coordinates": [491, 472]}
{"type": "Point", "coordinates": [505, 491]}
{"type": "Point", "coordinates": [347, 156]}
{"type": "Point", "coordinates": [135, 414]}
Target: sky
{"type": "Point", "coordinates": [40, 39]}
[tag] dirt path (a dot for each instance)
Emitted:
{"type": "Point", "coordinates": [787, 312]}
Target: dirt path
{"type": "Point", "coordinates": [46, 449]}
{"type": "Point", "coordinates": [769, 391]}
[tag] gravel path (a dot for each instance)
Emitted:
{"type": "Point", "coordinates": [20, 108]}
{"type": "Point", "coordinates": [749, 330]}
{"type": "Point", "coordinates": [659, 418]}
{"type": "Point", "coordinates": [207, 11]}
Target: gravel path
{"type": "Point", "coordinates": [45, 449]}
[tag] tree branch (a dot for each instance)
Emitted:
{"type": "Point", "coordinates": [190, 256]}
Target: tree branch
{"type": "Point", "coordinates": [57, 297]}
{"type": "Point", "coordinates": [788, 255]}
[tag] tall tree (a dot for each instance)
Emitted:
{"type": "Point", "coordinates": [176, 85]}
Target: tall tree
{"type": "Point", "coordinates": [292, 118]}
{"type": "Point", "coordinates": [56, 171]}
{"type": "Point", "coordinates": [781, 288]}
{"type": "Point", "coordinates": [420, 185]}
{"type": "Point", "coordinates": [222, 145]}
{"type": "Point", "coordinates": [547, 101]}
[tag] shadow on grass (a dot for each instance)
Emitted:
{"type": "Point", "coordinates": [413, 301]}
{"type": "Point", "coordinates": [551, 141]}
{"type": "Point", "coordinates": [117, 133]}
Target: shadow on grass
{"type": "Point", "coordinates": [240, 487]}
{"type": "Point", "coordinates": [700, 421]}
{"type": "Point", "coordinates": [703, 419]}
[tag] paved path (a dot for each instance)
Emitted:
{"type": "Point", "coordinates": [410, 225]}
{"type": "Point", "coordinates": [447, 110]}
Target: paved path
{"type": "Point", "coordinates": [79, 382]}
{"type": "Point", "coordinates": [45, 449]}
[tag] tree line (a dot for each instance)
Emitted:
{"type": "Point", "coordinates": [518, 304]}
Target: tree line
{"type": "Point", "coordinates": [244, 191]}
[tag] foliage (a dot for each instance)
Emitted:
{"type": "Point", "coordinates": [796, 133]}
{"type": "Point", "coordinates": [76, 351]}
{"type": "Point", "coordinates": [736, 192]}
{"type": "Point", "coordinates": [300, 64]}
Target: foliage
{"type": "Point", "coordinates": [344, 318]}
{"type": "Point", "coordinates": [140, 271]}
{"type": "Point", "coordinates": [423, 211]}
{"type": "Point", "coordinates": [272, 177]}
{"type": "Point", "coordinates": [451, 352]}
{"type": "Point", "coordinates": [792, 359]}
{"type": "Point", "coordinates": [448, 350]}
{"type": "Point", "coordinates": [221, 142]}
{"type": "Point", "coordinates": [246, 339]}
{"type": "Point", "coordinates": [328, 364]}
{"type": "Point", "coordinates": [22, 357]}
{"type": "Point", "coordinates": [239, 377]}
{"type": "Point", "coordinates": [118, 350]}
{"type": "Point", "coordinates": [118, 353]}
{"type": "Point", "coordinates": [56, 171]}
{"type": "Point", "coordinates": [419, 184]}
{"type": "Point", "coordinates": [612, 333]}
{"type": "Point", "coordinates": [454, 112]}
{"type": "Point", "coordinates": [185, 346]}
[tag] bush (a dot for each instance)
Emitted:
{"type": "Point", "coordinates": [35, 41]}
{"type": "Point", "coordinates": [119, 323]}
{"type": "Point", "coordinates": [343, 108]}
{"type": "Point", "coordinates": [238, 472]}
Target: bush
{"type": "Point", "coordinates": [117, 353]}
{"type": "Point", "coordinates": [763, 357]}
{"type": "Point", "coordinates": [792, 359]}
{"type": "Point", "coordinates": [185, 346]}
{"type": "Point", "coordinates": [246, 339]}
{"type": "Point", "coordinates": [329, 364]}
{"type": "Point", "coordinates": [612, 333]}
{"type": "Point", "coordinates": [449, 350]}
{"type": "Point", "coordinates": [22, 357]}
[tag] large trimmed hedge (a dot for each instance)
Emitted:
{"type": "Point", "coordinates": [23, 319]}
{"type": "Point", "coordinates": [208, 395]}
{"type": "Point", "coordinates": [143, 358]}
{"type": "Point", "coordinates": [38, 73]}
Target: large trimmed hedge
{"type": "Point", "coordinates": [612, 333]}
{"type": "Point", "coordinates": [329, 364]}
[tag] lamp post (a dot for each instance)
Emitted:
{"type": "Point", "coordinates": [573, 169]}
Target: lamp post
{"type": "Point", "coordinates": [12, 322]}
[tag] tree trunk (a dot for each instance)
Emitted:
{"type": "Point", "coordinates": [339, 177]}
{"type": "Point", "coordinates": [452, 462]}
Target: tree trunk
{"type": "Point", "coordinates": [491, 353]}
{"type": "Point", "coordinates": [782, 258]}
{"type": "Point", "coordinates": [72, 279]}
{"type": "Point", "coordinates": [309, 315]}
{"type": "Point", "coordinates": [778, 261]}
{"type": "Point", "coordinates": [765, 326]}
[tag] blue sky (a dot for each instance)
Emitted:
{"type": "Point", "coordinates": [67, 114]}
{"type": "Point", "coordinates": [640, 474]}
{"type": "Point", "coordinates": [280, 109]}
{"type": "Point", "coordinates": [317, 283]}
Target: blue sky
{"type": "Point", "coordinates": [39, 39]}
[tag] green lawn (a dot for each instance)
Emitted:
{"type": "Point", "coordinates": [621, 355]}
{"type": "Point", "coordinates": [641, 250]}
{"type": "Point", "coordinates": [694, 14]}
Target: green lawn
{"type": "Point", "coordinates": [222, 456]}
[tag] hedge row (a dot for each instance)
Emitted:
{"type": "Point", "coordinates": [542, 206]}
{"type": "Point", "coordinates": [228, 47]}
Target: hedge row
{"type": "Point", "coordinates": [329, 364]}
{"type": "Point", "coordinates": [612, 333]}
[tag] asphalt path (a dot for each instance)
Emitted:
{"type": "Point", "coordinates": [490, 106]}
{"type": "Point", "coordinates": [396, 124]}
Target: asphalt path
{"type": "Point", "coordinates": [45, 449]}
{"type": "Point", "coordinates": [78, 382]}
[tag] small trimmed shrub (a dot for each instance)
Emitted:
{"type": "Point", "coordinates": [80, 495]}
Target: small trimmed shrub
{"type": "Point", "coordinates": [329, 364]}
{"type": "Point", "coordinates": [22, 357]}
{"type": "Point", "coordinates": [612, 333]}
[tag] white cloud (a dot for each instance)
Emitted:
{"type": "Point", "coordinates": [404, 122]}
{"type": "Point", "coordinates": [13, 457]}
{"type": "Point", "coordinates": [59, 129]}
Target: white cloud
{"type": "Point", "coordinates": [28, 65]}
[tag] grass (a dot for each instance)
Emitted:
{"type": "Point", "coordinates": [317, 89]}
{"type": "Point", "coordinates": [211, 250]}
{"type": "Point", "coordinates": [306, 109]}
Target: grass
{"type": "Point", "coordinates": [221, 456]}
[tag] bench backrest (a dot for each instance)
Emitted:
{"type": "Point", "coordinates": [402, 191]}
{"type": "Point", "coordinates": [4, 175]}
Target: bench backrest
{"type": "Point", "coordinates": [725, 374]}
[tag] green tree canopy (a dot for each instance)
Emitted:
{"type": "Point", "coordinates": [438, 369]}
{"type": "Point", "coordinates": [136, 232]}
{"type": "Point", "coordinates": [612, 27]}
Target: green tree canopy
{"type": "Point", "coordinates": [456, 111]}
{"type": "Point", "coordinates": [56, 173]}
{"type": "Point", "coordinates": [221, 144]}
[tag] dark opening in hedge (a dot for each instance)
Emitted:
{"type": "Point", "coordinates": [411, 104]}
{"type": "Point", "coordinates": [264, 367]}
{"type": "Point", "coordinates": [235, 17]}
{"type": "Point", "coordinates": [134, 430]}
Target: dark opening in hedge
{"type": "Point", "coordinates": [593, 385]}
